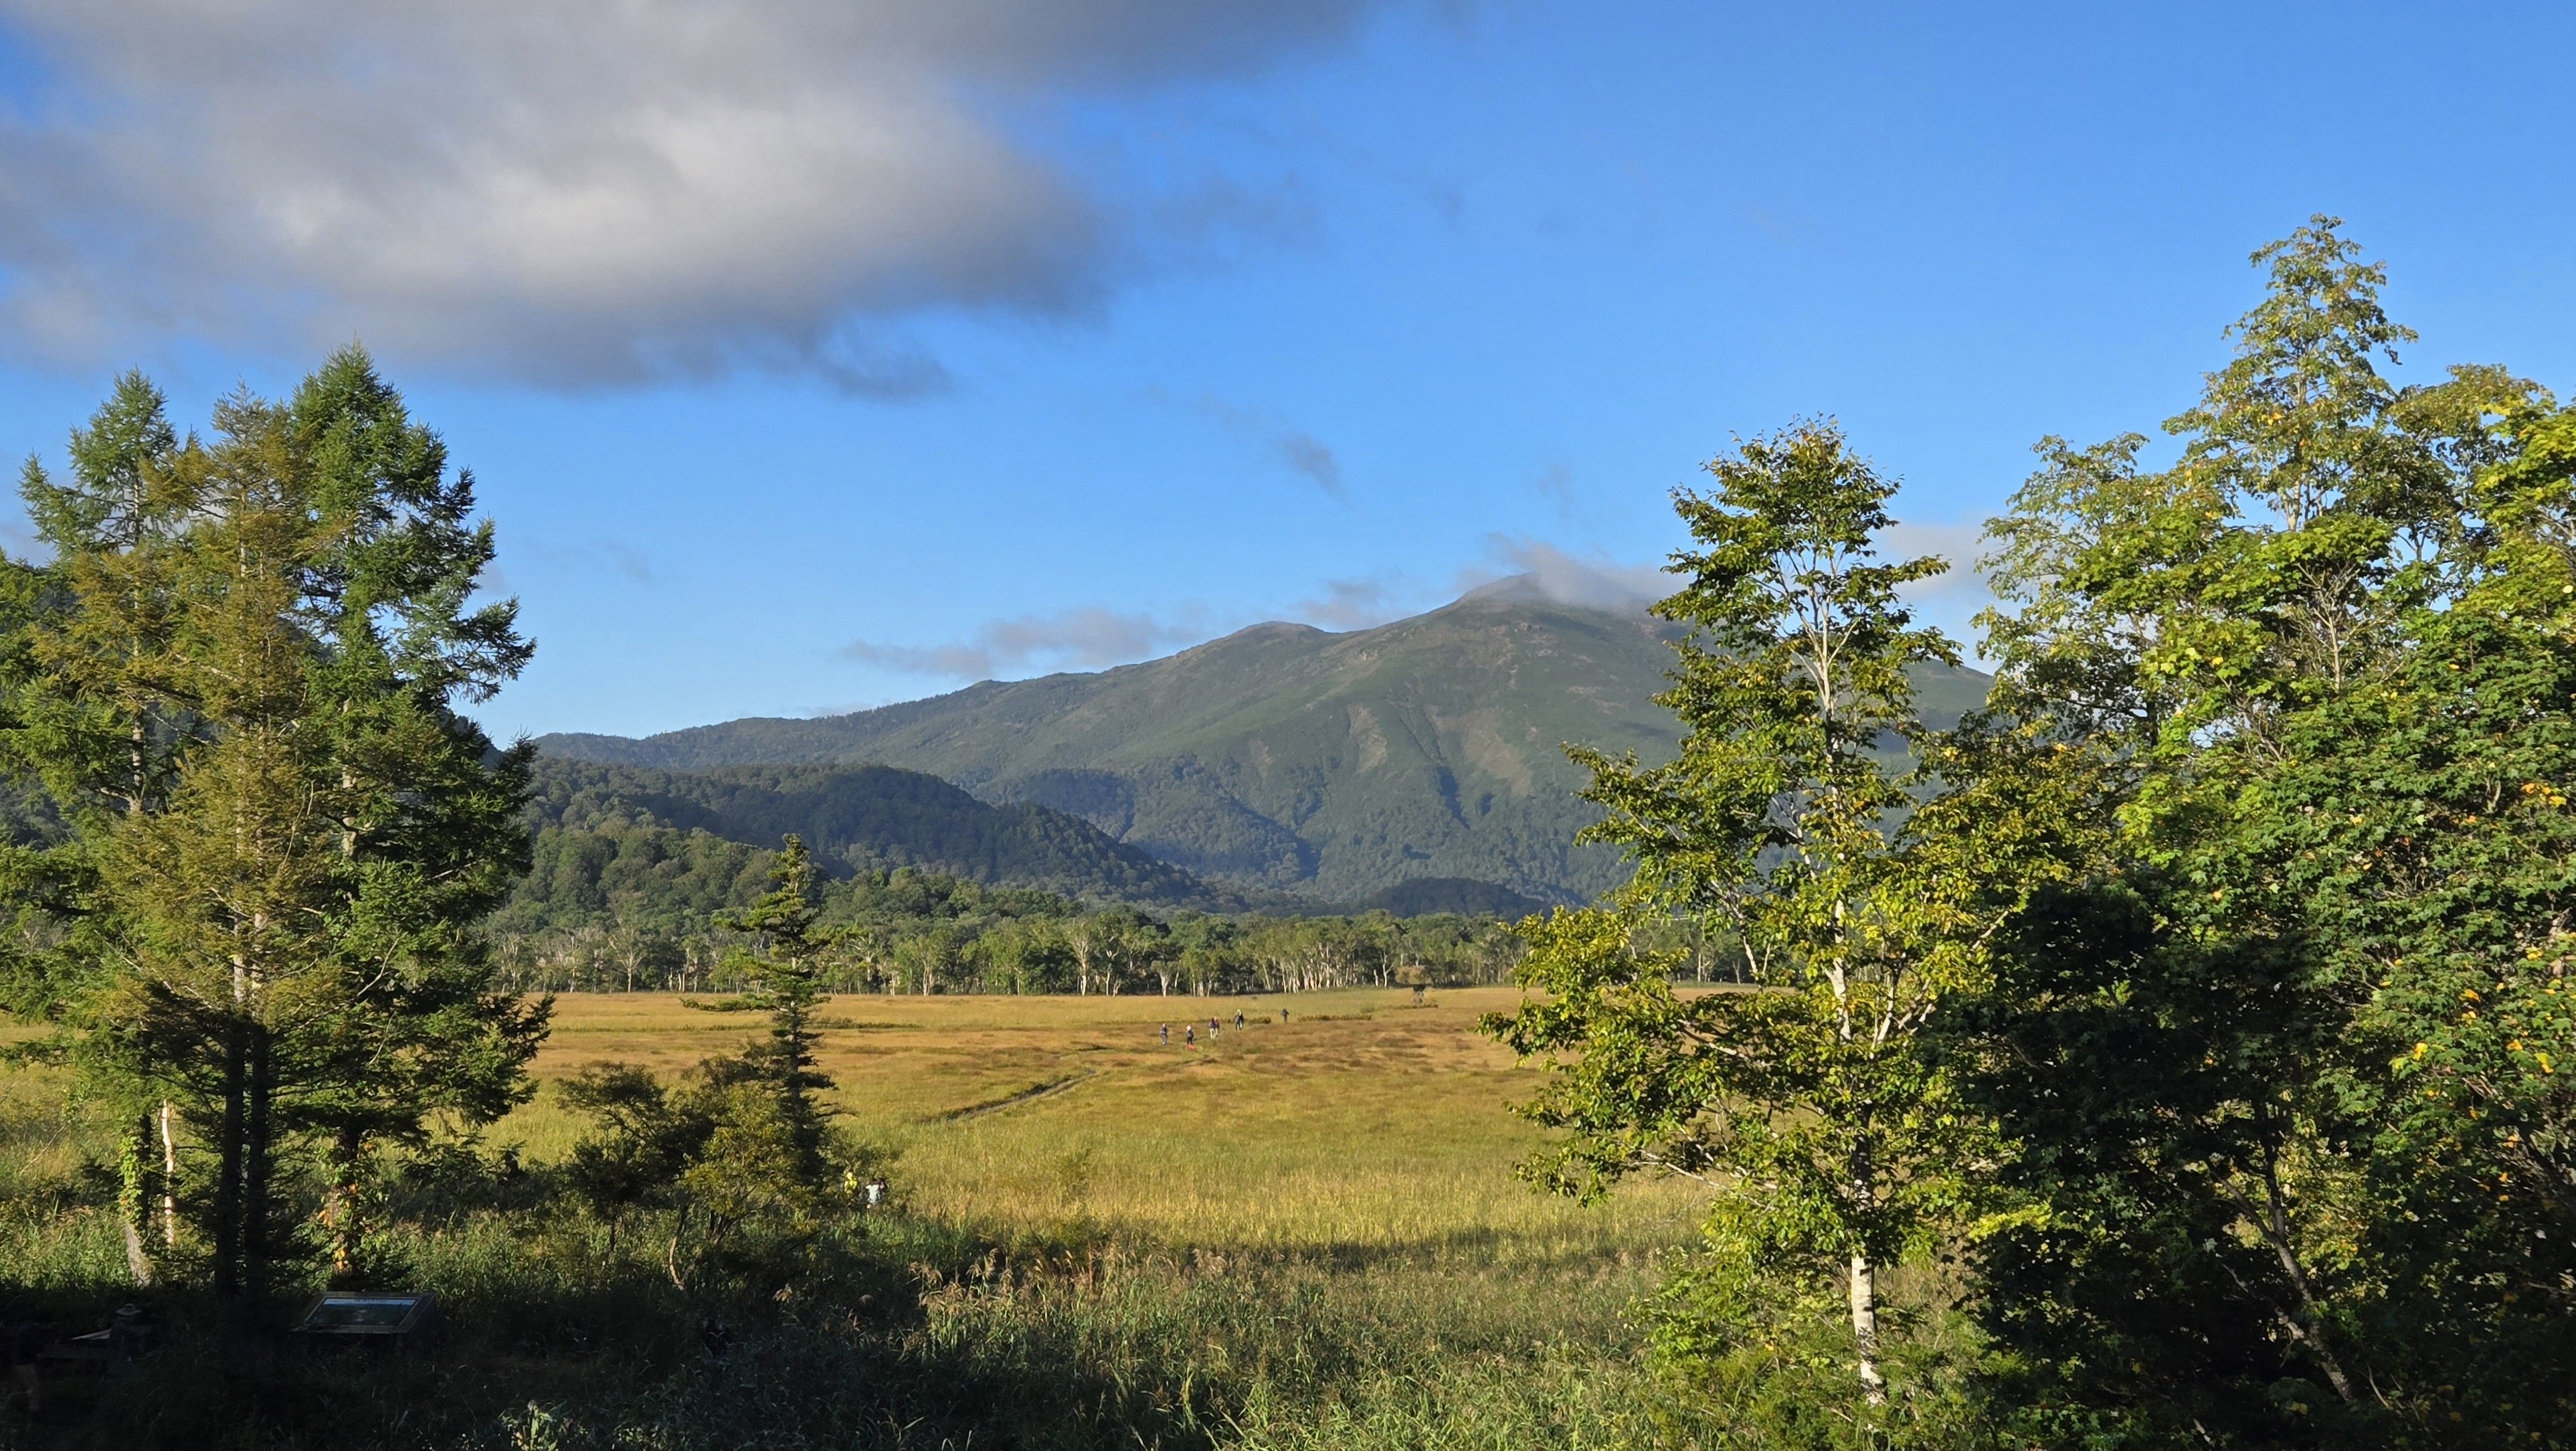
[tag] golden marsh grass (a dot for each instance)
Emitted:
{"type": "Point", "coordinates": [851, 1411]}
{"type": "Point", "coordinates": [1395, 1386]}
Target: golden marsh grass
{"type": "Point", "coordinates": [1363, 1123]}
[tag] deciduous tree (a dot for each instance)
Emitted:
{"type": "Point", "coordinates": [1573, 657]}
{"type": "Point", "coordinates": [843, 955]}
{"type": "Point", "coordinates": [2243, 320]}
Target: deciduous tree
{"type": "Point", "coordinates": [1858, 889]}
{"type": "Point", "coordinates": [2282, 1089]}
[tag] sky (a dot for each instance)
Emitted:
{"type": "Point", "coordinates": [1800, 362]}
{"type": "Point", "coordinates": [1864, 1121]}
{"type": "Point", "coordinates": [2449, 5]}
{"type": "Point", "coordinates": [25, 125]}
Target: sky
{"type": "Point", "coordinates": [817, 354]}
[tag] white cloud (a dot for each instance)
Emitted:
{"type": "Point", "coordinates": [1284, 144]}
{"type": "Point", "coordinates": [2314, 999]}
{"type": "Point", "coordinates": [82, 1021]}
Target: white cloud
{"type": "Point", "coordinates": [1083, 638]}
{"type": "Point", "coordinates": [581, 192]}
{"type": "Point", "coordinates": [1949, 600]}
{"type": "Point", "coordinates": [1596, 580]}
{"type": "Point", "coordinates": [1952, 600]}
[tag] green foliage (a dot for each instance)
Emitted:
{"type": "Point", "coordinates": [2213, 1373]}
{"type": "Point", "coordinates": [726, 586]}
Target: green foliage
{"type": "Point", "coordinates": [749, 1140]}
{"type": "Point", "coordinates": [1765, 1356]}
{"type": "Point", "coordinates": [269, 831]}
{"type": "Point", "coordinates": [645, 1141]}
{"type": "Point", "coordinates": [786, 971]}
{"type": "Point", "coordinates": [2290, 1149]}
{"type": "Point", "coordinates": [1859, 893]}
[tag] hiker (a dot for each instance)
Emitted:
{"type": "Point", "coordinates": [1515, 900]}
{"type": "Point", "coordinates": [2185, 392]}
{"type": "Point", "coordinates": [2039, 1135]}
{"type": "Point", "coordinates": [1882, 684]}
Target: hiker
{"type": "Point", "coordinates": [1167, 1035]}
{"type": "Point", "coordinates": [1283, 1015]}
{"type": "Point", "coordinates": [1238, 1020]}
{"type": "Point", "coordinates": [1190, 1036]}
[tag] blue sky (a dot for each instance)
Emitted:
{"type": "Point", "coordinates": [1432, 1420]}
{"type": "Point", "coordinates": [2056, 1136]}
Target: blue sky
{"type": "Point", "coordinates": [846, 352]}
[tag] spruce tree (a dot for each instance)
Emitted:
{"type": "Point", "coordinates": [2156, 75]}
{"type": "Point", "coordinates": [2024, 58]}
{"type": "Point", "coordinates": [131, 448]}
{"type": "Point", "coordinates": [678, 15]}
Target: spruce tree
{"type": "Point", "coordinates": [787, 982]}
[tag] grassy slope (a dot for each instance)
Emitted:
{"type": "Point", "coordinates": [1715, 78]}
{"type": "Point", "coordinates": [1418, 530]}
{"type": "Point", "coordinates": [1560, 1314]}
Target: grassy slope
{"type": "Point", "coordinates": [1336, 764]}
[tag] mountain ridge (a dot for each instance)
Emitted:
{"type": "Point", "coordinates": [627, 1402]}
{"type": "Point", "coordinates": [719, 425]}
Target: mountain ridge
{"type": "Point", "coordinates": [1336, 765]}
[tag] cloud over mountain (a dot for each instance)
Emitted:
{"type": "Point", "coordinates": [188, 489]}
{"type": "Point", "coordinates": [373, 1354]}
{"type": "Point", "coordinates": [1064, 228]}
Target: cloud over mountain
{"type": "Point", "coordinates": [1083, 638]}
{"type": "Point", "coordinates": [576, 193]}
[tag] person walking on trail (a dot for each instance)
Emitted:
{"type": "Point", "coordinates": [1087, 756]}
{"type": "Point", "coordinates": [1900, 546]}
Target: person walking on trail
{"type": "Point", "coordinates": [1190, 1037]}
{"type": "Point", "coordinates": [1283, 1015]}
{"type": "Point", "coordinates": [1167, 1035]}
{"type": "Point", "coordinates": [1238, 1020]}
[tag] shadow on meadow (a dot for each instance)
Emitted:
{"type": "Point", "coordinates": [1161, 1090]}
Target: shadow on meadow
{"type": "Point", "coordinates": [883, 1332]}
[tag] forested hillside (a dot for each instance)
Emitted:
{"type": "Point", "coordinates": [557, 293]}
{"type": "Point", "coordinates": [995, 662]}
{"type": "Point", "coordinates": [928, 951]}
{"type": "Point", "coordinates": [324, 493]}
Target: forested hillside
{"type": "Point", "coordinates": [929, 890]}
{"type": "Point", "coordinates": [1340, 766]}
{"type": "Point", "coordinates": [633, 868]}
{"type": "Point", "coordinates": [684, 839]}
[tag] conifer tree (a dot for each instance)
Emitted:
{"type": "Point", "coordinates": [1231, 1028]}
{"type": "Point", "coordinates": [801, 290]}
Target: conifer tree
{"type": "Point", "coordinates": [787, 982]}
{"type": "Point", "coordinates": [236, 681]}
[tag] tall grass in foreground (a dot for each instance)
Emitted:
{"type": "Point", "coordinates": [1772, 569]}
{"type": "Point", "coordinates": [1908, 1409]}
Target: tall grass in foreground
{"type": "Point", "coordinates": [896, 1333]}
{"type": "Point", "coordinates": [1305, 1237]}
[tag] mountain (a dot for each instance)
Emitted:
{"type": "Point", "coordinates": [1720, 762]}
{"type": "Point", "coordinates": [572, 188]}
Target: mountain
{"type": "Point", "coordinates": [866, 818]}
{"type": "Point", "coordinates": [1338, 766]}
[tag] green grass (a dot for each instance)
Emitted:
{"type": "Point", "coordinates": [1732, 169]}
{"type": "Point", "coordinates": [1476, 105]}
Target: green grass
{"type": "Point", "coordinates": [1303, 1235]}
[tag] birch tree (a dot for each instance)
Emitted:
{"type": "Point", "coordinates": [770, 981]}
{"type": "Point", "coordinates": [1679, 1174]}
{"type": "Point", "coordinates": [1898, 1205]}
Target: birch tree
{"type": "Point", "coordinates": [1857, 889]}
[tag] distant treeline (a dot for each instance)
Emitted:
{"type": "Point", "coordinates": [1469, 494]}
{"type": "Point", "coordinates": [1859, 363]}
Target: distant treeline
{"type": "Point", "coordinates": [630, 904]}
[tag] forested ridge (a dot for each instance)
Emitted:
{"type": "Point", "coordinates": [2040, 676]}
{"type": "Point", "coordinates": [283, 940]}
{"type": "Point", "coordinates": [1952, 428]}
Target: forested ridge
{"type": "Point", "coordinates": [864, 818]}
{"type": "Point", "coordinates": [1287, 759]}
{"type": "Point", "coordinates": [631, 870]}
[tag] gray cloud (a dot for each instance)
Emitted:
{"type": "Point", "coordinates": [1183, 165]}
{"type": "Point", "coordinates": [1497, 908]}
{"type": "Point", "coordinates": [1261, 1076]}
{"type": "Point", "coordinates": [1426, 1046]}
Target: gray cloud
{"type": "Point", "coordinates": [1087, 638]}
{"type": "Point", "coordinates": [1304, 454]}
{"type": "Point", "coordinates": [583, 192]}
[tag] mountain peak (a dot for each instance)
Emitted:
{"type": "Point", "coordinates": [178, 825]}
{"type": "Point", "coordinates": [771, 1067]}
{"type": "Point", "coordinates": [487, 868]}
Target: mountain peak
{"type": "Point", "coordinates": [1575, 586]}
{"type": "Point", "coordinates": [1292, 758]}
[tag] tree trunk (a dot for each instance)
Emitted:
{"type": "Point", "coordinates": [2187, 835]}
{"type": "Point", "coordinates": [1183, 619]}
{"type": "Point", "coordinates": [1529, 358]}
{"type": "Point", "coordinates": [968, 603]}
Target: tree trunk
{"type": "Point", "coordinates": [257, 1161]}
{"type": "Point", "coordinates": [137, 1263]}
{"type": "Point", "coordinates": [134, 1197]}
{"type": "Point", "coordinates": [169, 1179]}
{"type": "Point", "coordinates": [228, 1166]}
{"type": "Point", "coordinates": [1864, 1317]}
{"type": "Point", "coordinates": [340, 1205]}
